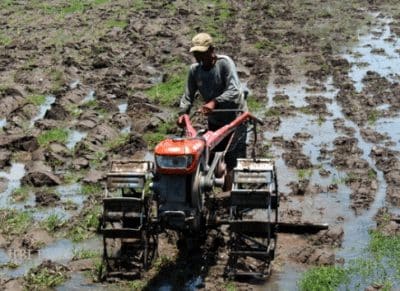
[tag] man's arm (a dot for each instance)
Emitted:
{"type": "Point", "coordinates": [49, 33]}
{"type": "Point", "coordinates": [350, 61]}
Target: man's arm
{"type": "Point", "coordinates": [188, 97]}
{"type": "Point", "coordinates": [232, 93]}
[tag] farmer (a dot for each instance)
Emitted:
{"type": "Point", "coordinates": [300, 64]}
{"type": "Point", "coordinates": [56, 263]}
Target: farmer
{"type": "Point", "coordinates": [216, 79]}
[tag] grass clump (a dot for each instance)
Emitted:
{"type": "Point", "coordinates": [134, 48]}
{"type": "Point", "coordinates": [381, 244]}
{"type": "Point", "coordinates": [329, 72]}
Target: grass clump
{"type": "Point", "coordinates": [36, 99]}
{"type": "Point", "coordinates": [85, 227]}
{"type": "Point", "coordinates": [117, 23]}
{"type": "Point", "coordinates": [20, 194]}
{"type": "Point", "coordinates": [14, 222]}
{"type": "Point", "coordinates": [44, 278]}
{"type": "Point", "coordinates": [9, 265]}
{"type": "Point", "coordinates": [81, 254]}
{"type": "Point", "coordinates": [153, 138]}
{"type": "Point", "coordinates": [135, 285]}
{"type": "Point", "coordinates": [5, 39]}
{"type": "Point", "coordinates": [117, 142]}
{"type": "Point", "coordinates": [162, 262]}
{"type": "Point", "coordinates": [304, 173]}
{"type": "Point", "coordinates": [88, 189]}
{"type": "Point", "coordinates": [272, 112]}
{"type": "Point", "coordinates": [372, 117]}
{"type": "Point", "coordinates": [254, 104]}
{"type": "Point", "coordinates": [167, 93]}
{"type": "Point", "coordinates": [230, 286]}
{"type": "Point", "coordinates": [379, 265]}
{"type": "Point", "coordinates": [265, 44]}
{"type": "Point", "coordinates": [323, 278]}
{"type": "Point", "coordinates": [53, 135]}
{"type": "Point", "coordinates": [53, 222]}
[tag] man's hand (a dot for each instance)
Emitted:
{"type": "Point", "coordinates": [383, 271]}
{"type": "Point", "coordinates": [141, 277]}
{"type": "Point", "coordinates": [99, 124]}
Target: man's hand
{"type": "Point", "coordinates": [208, 107]}
{"type": "Point", "coordinates": [180, 122]}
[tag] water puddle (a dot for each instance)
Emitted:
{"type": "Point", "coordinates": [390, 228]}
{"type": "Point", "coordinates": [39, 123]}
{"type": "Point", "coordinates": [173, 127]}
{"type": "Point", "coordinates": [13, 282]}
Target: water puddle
{"type": "Point", "coordinates": [79, 282]}
{"type": "Point", "coordinates": [14, 176]}
{"type": "Point", "coordinates": [74, 84]}
{"type": "Point", "coordinates": [356, 227]}
{"type": "Point", "coordinates": [3, 122]}
{"type": "Point", "coordinates": [61, 251]}
{"type": "Point", "coordinates": [43, 109]}
{"type": "Point", "coordinates": [89, 97]}
{"type": "Point", "coordinates": [74, 137]}
{"type": "Point", "coordinates": [375, 53]}
{"type": "Point", "coordinates": [123, 107]}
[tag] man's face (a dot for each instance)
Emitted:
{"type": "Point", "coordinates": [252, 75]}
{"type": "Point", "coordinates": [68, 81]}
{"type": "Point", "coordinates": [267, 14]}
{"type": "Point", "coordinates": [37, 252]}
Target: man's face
{"type": "Point", "coordinates": [204, 58]}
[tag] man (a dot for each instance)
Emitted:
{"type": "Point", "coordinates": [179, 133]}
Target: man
{"type": "Point", "coordinates": [216, 79]}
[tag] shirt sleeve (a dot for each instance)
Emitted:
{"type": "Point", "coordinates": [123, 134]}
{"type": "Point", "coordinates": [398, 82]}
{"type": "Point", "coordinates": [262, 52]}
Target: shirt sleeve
{"type": "Point", "coordinates": [231, 95]}
{"type": "Point", "coordinates": [190, 90]}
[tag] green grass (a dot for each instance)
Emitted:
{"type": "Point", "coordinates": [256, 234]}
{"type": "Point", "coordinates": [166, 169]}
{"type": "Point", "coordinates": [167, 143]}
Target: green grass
{"type": "Point", "coordinates": [371, 174]}
{"type": "Point", "coordinates": [253, 104]}
{"type": "Point", "coordinates": [85, 227]}
{"type": "Point", "coordinates": [81, 254]}
{"type": "Point", "coordinates": [272, 112]}
{"type": "Point", "coordinates": [351, 177]}
{"type": "Point", "coordinates": [14, 222]}
{"type": "Point", "coordinates": [5, 39]}
{"type": "Point", "coordinates": [162, 262]}
{"type": "Point", "coordinates": [372, 117]}
{"type": "Point", "coordinates": [117, 142]}
{"type": "Point", "coordinates": [87, 189]}
{"type": "Point", "coordinates": [117, 23]}
{"type": "Point", "coordinates": [53, 222]}
{"type": "Point", "coordinates": [57, 77]}
{"type": "Point", "coordinates": [20, 194]}
{"type": "Point", "coordinates": [135, 285]}
{"type": "Point", "coordinates": [53, 135]}
{"type": "Point", "coordinates": [153, 138]}
{"type": "Point", "coordinates": [74, 110]}
{"type": "Point", "coordinates": [36, 99]}
{"type": "Point", "coordinates": [230, 286]}
{"type": "Point", "coordinates": [9, 265]}
{"type": "Point", "coordinates": [379, 264]}
{"type": "Point", "coordinates": [304, 173]}
{"type": "Point", "coordinates": [169, 92]}
{"type": "Point", "coordinates": [139, 5]}
{"type": "Point", "coordinates": [72, 177]}
{"type": "Point", "coordinates": [323, 279]}
{"type": "Point", "coordinates": [98, 158]}
{"type": "Point", "coordinates": [265, 44]}
{"type": "Point", "coordinates": [321, 120]}
{"type": "Point", "coordinates": [44, 279]}
{"type": "Point", "coordinates": [305, 110]}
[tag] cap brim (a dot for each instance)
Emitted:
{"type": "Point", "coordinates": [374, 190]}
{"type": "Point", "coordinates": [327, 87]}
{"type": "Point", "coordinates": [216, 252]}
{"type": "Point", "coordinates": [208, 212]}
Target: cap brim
{"type": "Point", "coordinates": [199, 48]}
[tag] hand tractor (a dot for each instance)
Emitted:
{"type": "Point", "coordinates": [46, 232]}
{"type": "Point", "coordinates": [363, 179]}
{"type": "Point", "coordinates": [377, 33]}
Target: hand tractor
{"type": "Point", "coordinates": [146, 198]}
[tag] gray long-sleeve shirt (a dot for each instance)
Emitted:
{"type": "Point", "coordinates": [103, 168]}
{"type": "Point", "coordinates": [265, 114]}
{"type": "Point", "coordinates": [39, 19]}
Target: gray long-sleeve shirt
{"type": "Point", "coordinates": [220, 83]}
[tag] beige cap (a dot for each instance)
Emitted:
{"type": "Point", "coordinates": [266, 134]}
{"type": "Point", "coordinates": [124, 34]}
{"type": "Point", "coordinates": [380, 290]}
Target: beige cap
{"type": "Point", "coordinates": [201, 42]}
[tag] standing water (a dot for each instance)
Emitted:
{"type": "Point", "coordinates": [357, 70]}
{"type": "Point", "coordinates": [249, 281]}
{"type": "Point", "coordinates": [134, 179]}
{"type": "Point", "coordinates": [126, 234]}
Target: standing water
{"type": "Point", "coordinates": [374, 52]}
{"type": "Point", "coordinates": [43, 109]}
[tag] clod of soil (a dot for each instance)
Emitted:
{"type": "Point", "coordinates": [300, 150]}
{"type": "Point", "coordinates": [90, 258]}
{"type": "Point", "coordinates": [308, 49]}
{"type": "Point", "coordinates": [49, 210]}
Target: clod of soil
{"type": "Point", "coordinates": [44, 198]}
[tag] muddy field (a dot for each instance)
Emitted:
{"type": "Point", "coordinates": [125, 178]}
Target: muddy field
{"type": "Point", "coordinates": [86, 82]}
